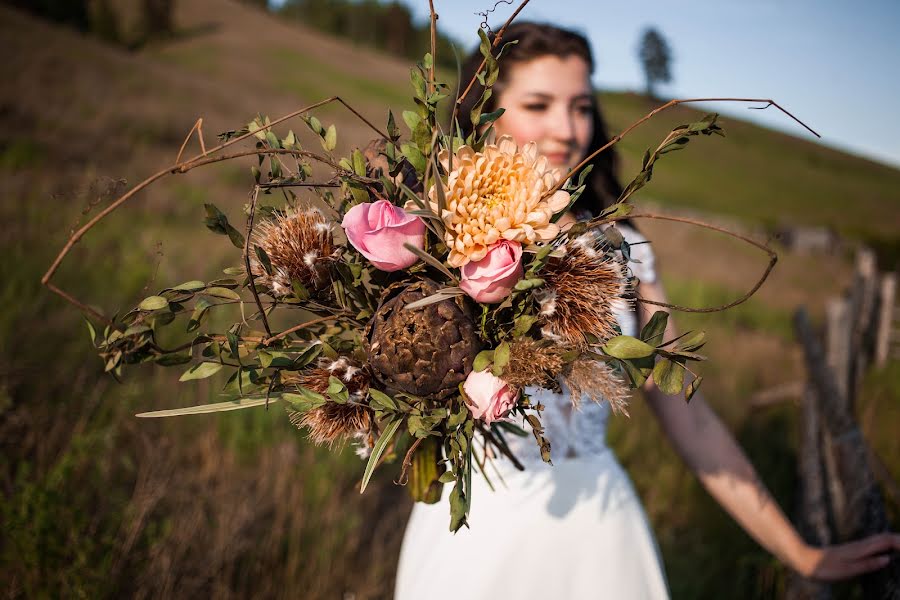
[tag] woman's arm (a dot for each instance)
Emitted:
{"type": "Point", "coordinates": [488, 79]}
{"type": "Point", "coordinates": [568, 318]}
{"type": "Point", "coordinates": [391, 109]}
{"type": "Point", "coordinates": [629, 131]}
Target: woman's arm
{"type": "Point", "coordinates": [710, 450]}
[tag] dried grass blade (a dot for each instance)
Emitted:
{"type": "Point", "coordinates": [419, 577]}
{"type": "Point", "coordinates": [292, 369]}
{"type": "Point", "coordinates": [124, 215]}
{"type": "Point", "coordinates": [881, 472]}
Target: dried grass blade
{"type": "Point", "coordinates": [208, 408]}
{"type": "Point", "coordinates": [431, 261]}
{"type": "Point", "coordinates": [438, 296]}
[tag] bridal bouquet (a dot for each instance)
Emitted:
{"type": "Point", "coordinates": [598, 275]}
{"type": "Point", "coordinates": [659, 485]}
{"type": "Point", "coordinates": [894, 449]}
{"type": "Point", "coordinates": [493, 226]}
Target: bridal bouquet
{"type": "Point", "coordinates": [419, 290]}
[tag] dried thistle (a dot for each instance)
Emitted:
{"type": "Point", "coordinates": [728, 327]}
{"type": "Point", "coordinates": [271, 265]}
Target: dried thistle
{"type": "Point", "coordinates": [584, 290]}
{"type": "Point", "coordinates": [598, 381]}
{"type": "Point", "coordinates": [332, 421]}
{"type": "Point", "coordinates": [300, 247]}
{"type": "Point", "coordinates": [532, 363]}
{"type": "Point", "coordinates": [355, 376]}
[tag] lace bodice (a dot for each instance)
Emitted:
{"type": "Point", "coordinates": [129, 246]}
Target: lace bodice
{"type": "Point", "coordinates": [582, 431]}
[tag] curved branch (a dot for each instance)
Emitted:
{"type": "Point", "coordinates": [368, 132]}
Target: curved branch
{"type": "Point", "coordinates": [262, 311]}
{"type": "Point", "coordinates": [616, 139]}
{"type": "Point", "coordinates": [199, 160]}
{"type": "Point", "coordinates": [496, 42]}
{"type": "Point", "coordinates": [773, 258]}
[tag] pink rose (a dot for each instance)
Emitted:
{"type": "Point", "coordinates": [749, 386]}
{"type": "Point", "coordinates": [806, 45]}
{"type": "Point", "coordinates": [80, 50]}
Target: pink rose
{"type": "Point", "coordinates": [492, 278]}
{"type": "Point", "coordinates": [490, 397]}
{"type": "Point", "coordinates": [379, 230]}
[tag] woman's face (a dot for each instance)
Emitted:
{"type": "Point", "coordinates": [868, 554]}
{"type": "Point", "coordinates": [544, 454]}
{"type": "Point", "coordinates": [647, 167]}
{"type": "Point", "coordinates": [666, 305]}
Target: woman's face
{"type": "Point", "coordinates": [548, 100]}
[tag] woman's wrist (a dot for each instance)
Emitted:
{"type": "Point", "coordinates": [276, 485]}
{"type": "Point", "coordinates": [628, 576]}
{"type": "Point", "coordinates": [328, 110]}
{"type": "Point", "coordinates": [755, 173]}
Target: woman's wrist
{"type": "Point", "coordinates": [803, 558]}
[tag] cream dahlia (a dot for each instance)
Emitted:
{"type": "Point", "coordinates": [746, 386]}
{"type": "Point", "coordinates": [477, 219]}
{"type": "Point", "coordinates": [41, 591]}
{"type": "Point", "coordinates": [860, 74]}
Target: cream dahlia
{"type": "Point", "coordinates": [497, 194]}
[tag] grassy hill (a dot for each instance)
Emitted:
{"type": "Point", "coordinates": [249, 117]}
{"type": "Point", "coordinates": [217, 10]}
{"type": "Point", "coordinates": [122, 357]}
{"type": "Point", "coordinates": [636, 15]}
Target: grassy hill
{"type": "Point", "coordinates": [97, 504]}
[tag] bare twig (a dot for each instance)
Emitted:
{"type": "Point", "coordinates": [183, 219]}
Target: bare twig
{"type": "Point", "coordinates": [461, 97]}
{"type": "Point", "coordinates": [262, 312]}
{"type": "Point", "coordinates": [198, 127]}
{"type": "Point", "coordinates": [434, 18]}
{"type": "Point", "coordinates": [287, 332]}
{"type": "Point", "coordinates": [182, 167]}
{"type": "Point", "coordinates": [616, 139]}
{"type": "Point", "coordinates": [407, 462]}
{"type": "Point", "coordinates": [773, 258]}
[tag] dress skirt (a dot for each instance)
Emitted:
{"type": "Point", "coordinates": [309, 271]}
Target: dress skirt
{"type": "Point", "coordinates": [574, 530]}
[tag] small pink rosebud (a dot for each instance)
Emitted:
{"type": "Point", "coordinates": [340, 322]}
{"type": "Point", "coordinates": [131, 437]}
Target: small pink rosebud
{"type": "Point", "coordinates": [490, 398]}
{"type": "Point", "coordinates": [492, 278]}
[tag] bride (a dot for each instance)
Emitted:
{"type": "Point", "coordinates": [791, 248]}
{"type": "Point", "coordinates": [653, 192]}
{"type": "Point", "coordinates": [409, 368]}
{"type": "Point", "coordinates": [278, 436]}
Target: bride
{"type": "Point", "coordinates": [576, 529]}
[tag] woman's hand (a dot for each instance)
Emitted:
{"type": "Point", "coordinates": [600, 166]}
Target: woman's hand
{"type": "Point", "coordinates": [842, 561]}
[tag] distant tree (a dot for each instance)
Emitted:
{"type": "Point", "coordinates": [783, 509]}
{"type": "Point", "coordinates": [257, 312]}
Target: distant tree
{"type": "Point", "coordinates": [655, 58]}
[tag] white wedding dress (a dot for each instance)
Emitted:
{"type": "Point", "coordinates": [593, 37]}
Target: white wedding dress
{"type": "Point", "coordinates": [572, 530]}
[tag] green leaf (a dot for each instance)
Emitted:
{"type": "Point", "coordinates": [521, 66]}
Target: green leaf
{"type": "Point", "coordinates": [490, 117]}
{"type": "Point", "coordinates": [200, 310]}
{"type": "Point", "coordinates": [190, 286]}
{"type": "Point", "coordinates": [337, 391]}
{"type": "Point", "coordinates": [330, 140]}
{"type": "Point", "coordinates": [482, 360]}
{"type": "Point", "coordinates": [625, 346]}
{"type": "Point", "coordinates": [392, 130]}
{"type": "Point", "coordinates": [215, 221]}
{"type": "Point", "coordinates": [414, 156]}
{"type": "Point", "coordinates": [382, 399]}
{"type": "Point", "coordinates": [527, 284]}
{"type": "Point", "coordinates": [209, 408]}
{"type": "Point", "coordinates": [412, 119]}
{"type": "Point", "coordinates": [692, 341]}
{"type": "Point", "coordinates": [378, 450]}
{"type": "Point", "coordinates": [236, 237]}
{"type": "Point", "coordinates": [303, 400]}
{"type": "Point", "coordinates": [447, 477]}
{"type": "Point", "coordinates": [315, 125]}
{"type": "Point", "coordinates": [418, 83]}
{"type": "Point", "coordinates": [501, 359]}
{"type": "Point", "coordinates": [91, 330]}
{"type": "Point", "coordinates": [264, 259]}
{"type": "Point", "coordinates": [668, 376]}
{"type": "Point", "coordinates": [359, 163]}
{"type": "Point", "coordinates": [153, 303]}
{"type": "Point", "coordinates": [523, 324]}
{"type": "Point", "coordinates": [692, 388]}
{"type": "Point", "coordinates": [457, 507]}
{"type": "Point", "coordinates": [222, 292]}
{"type": "Point", "coordinates": [201, 371]}
{"type": "Point", "coordinates": [653, 331]}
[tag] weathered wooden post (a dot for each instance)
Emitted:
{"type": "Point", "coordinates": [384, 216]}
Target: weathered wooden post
{"type": "Point", "coordinates": [813, 517]}
{"type": "Point", "coordinates": [854, 496]}
{"type": "Point", "coordinates": [884, 329]}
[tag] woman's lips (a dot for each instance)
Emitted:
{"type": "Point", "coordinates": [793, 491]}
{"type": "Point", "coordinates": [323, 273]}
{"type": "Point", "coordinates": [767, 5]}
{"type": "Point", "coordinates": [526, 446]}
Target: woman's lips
{"type": "Point", "coordinates": [558, 158]}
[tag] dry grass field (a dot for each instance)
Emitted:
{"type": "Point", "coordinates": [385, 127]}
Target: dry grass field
{"type": "Point", "coordinates": [99, 504]}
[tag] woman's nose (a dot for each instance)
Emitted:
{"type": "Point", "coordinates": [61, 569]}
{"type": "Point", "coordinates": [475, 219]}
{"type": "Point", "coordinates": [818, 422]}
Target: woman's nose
{"type": "Point", "coordinates": [564, 125]}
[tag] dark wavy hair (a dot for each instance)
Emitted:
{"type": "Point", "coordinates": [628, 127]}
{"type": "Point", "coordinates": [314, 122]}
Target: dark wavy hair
{"type": "Point", "coordinates": [533, 41]}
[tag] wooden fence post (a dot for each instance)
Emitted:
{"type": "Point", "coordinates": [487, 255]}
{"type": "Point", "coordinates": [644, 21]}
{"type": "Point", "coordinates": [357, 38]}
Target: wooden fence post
{"type": "Point", "coordinates": [854, 495]}
{"type": "Point", "coordinates": [813, 517]}
{"type": "Point", "coordinates": [884, 328]}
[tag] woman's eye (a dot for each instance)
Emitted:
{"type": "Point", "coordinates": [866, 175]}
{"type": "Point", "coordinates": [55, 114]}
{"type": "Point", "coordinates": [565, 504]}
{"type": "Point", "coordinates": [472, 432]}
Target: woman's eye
{"type": "Point", "coordinates": [535, 107]}
{"type": "Point", "coordinates": [584, 110]}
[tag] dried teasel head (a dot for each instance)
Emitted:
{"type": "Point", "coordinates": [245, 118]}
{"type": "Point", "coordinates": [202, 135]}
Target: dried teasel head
{"type": "Point", "coordinates": [356, 377]}
{"type": "Point", "coordinates": [598, 381]}
{"type": "Point", "coordinates": [584, 290]}
{"type": "Point", "coordinates": [532, 362]}
{"type": "Point", "coordinates": [300, 247]}
{"type": "Point", "coordinates": [333, 422]}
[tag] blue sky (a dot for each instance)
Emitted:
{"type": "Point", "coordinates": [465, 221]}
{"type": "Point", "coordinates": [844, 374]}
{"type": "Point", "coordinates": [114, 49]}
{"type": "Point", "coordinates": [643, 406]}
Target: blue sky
{"type": "Point", "coordinates": [833, 63]}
